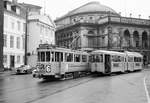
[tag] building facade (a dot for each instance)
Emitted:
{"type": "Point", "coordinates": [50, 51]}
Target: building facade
{"type": "Point", "coordinates": [1, 33]}
{"type": "Point", "coordinates": [14, 35]}
{"type": "Point", "coordinates": [96, 26]}
{"type": "Point", "coordinates": [40, 29]}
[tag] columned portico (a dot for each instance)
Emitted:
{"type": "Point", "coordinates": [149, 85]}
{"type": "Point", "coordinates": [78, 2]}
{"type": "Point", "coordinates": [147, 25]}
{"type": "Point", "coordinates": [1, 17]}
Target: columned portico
{"type": "Point", "coordinates": [100, 29]}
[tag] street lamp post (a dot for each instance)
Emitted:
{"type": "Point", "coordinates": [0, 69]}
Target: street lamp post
{"type": "Point", "coordinates": [1, 34]}
{"type": "Point", "coordinates": [26, 35]}
{"type": "Point", "coordinates": [109, 32]}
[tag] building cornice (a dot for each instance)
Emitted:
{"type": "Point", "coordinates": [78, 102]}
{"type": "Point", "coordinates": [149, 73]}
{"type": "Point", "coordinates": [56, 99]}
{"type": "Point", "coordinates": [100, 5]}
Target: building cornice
{"type": "Point", "coordinates": [37, 20]}
{"type": "Point", "coordinates": [13, 14]}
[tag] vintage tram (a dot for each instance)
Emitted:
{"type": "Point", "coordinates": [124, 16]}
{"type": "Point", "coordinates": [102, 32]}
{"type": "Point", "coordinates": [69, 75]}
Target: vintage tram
{"type": "Point", "coordinates": [106, 62]}
{"type": "Point", "coordinates": [59, 62]}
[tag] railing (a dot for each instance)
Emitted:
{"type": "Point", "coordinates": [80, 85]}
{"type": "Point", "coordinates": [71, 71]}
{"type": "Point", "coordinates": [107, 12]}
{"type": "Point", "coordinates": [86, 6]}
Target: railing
{"type": "Point", "coordinates": [125, 20]}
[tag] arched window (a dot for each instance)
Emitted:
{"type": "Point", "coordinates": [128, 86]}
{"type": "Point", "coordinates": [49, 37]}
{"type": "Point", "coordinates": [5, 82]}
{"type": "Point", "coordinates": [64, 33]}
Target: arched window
{"type": "Point", "coordinates": [90, 32]}
{"type": "Point", "coordinates": [144, 40]}
{"type": "Point", "coordinates": [135, 39]}
{"type": "Point", "coordinates": [126, 38]}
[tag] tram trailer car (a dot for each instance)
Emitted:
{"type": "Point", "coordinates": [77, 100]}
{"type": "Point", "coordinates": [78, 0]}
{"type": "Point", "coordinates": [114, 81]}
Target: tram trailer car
{"type": "Point", "coordinates": [106, 62]}
{"type": "Point", "coordinates": [54, 62]}
{"type": "Point", "coordinates": [134, 61]}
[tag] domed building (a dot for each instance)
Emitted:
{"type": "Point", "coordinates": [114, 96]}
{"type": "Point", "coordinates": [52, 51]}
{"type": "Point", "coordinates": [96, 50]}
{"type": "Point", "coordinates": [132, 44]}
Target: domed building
{"type": "Point", "coordinates": [96, 26]}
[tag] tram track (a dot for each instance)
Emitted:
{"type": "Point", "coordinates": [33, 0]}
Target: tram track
{"type": "Point", "coordinates": [61, 90]}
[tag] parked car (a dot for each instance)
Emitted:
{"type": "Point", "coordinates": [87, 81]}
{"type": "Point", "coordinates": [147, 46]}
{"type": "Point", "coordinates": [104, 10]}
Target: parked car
{"type": "Point", "coordinates": [24, 69]}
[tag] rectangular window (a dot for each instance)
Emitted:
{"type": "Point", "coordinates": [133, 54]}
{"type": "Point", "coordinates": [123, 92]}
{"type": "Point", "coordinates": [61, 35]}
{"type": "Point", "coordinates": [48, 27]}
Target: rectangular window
{"type": "Point", "coordinates": [48, 56]}
{"type": "Point", "coordinates": [84, 58]}
{"type": "Point", "coordinates": [23, 59]}
{"type": "Point", "coordinates": [39, 56]}
{"type": "Point", "coordinates": [42, 56]}
{"type": "Point", "coordinates": [116, 58]}
{"type": "Point", "coordinates": [68, 57]}
{"type": "Point", "coordinates": [12, 25]}
{"type": "Point", "coordinates": [18, 42]}
{"type": "Point", "coordinates": [4, 58]}
{"type": "Point", "coordinates": [5, 40]}
{"type": "Point", "coordinates": [130, 59]}
{"type": "Point", "coordinates": [23, 43]}
{"type": "Point", "coordinates": [24, 27]}
{"type": "Point", "coordinates": [18, 59]}
{"type": "Point", "coordinates": [11, 41]}
{"type": "Point", "coordinates": [77, 58]}
{"type": "Point", "coordinates": [137, 59]}
{"type": "Point", "coordinates": [18, 24]}
{"type": "Point", "coordinates": [96, 58]}
{"type": "Point", "coordinates": [5, 21]}
{"type": "Point", "coordinates": [53, 57]}
{"type": "Point", "coordinates": [58, 56]}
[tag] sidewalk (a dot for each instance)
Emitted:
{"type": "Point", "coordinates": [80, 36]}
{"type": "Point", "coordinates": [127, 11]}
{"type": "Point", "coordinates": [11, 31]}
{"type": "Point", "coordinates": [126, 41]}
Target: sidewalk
{"type": "Point", "coordinates": [6, 73]}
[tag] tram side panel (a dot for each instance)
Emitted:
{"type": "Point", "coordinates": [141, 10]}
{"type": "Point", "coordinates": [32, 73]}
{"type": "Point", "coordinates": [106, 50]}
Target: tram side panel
{"type": "Point", "coordinates": [74, 67]}
{"type": "Point", "coordinates": [130, 64]}
{"type": "Point", "coordinates": [117, 67]}
{"type": "Point", "coordinates": [138, 63]}
{"type": "Point", "coordinates": [97, 63]}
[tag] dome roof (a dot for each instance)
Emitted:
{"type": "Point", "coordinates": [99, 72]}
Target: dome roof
{"type": "Point", "coordinates": [92, 7]}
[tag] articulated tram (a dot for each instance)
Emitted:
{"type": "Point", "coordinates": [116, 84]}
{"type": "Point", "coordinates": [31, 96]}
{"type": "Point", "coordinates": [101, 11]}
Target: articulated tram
{"type": "Point", "coordinates": [106, 62]}
{"type": "Point", "coordinates": [61, 62]}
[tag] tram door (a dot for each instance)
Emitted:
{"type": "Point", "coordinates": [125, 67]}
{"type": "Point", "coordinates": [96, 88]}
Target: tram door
{"type": "Point", "coordinates": [107, 63]}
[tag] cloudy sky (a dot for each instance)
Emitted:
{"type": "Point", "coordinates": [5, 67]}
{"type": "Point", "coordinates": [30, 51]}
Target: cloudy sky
{"type": "Point", "coordinates": [57, 8]}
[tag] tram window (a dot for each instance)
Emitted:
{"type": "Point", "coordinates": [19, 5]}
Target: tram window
{"type": "Point", "coordinates": [68, 57]}
{"type": "Point", "coordinates": [130, 59]}
{"type": "Point", "coordinates": [116, 58]}
{"type": "Point", "coordinates": [84, 58]}
{"type": "Point", "coordinates": [97, 58]}
{"type": "Point", "coordinates": [61, 56]}
{"type": "Point", "coordinates": [38, 56]}
{"type": "Point", "coordinates": [137, 59]}
{"type": "Point", "coordinates": [52, 56]}
{"type": "Point", "coordinates": [47, 56]}
{"type": "Point", "coordinates": [122, 58]}
{"type": "Point", "coordinates": [76, 58]}
{"type": "Point", "coordinates": [58, 56]}
{"type": "Point", "coordinates": [101, 58]}
{"type": "Point", "coordinates": [42, 56]}
{"type": "Point", "coordinates": [92, 58]}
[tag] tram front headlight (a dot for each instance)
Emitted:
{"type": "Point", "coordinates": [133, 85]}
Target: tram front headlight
{"type": "Point", "coordinates": [48, 68]}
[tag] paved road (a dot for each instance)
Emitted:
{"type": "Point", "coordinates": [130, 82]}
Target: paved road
{"type": "Point", "coordinates": [125, 88]}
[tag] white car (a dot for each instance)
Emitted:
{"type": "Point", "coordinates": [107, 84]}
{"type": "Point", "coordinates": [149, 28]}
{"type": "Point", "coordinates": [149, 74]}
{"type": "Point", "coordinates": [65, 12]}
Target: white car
{"type": "Point", "coordinates": [24, 69]}
{"type": "Point", "coordinates": [35, 73]}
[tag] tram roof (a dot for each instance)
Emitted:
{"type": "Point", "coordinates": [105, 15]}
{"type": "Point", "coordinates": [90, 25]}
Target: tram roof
{"type": "Point", "coordinates": [136, 54]}
{"type": "Point", "coordinates": [59, 49]}
{"type": "Point", "coordinates": [108, 52]}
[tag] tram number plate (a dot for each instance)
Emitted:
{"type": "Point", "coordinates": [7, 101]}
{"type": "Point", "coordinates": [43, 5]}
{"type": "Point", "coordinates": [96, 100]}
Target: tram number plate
{"type": "Point", "coordinates": [116, 65]}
